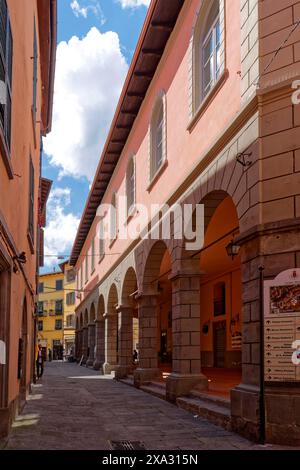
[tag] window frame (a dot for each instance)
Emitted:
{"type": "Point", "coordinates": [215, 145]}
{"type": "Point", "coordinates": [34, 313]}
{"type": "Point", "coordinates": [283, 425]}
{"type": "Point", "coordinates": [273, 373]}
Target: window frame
{"type": "Point", "coordinates": [58, 321]}
{"type": "Point", "coordinates": [59, 281]}
{"type": "Point", "coordinates": [93, 255]}
{"type": "Point", "coordinates": [158, 125]}
{"type": "Point", "coordinates": [216, 71]}
{"type": "Point", "coordinates": [101, 240]}
{"type": "Point", "coordinates": [57, 312]}
{"type": "Point", "coordinates": [130, 185]}
{"type": "Point", "coordinates": [31, 196]}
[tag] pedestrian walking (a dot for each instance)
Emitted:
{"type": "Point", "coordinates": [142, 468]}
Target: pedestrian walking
{"type": "Point", "coordinates": [39, 362]}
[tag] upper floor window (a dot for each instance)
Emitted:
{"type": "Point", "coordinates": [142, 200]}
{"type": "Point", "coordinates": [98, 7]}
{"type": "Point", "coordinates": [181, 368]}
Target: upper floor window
{"type": "Point", "coordinates": [40, 325]}
{"type": "Point", "coordinates": [58, 324]}
{"type": "Point", "coordinates": [59, 307]}
{"type": "Point", "coordinates": [70, 275]}
{"type": "Point", "coordinates": [113, 217]}
{"type": "Point", "coordinates": [31, 203]}
{"type": "Point", "coordinates": [158, 136]}
{"type": "Point", "coordinates": [70, 321]}
{"type": "Point", "coordinates": [41, 287]}
{"type": "Point", "coordinates": [211, 60]}
{"type": "Point", "coordinates": [70, 298]}
{"type": "Point", "coordinates": [41, 308]}
{"type": "Point", "coordinates": [130, 185]}
{"type": "Point", "coordinates": [35, 66]}
{"type": "Point", "coordinates": [208, 52]}
{"type": "Point", "coordinates": [6, 61]}
{"type": "Point", "coordinates": [93, 255]}
{"type": "Point", "coordinates": [101, 240]}
{"type": "Point", "coordinates": [59, 284]}
{"type": "Point", "coordinates": [86, 268]}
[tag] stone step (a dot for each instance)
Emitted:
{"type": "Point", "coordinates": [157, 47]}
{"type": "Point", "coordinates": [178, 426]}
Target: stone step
{"type": "Point", "coordinates": [217, 400]}
{"type": "Point", "coordinates": [217, 414]}
{"type": "Point", "coordinates": [155, 389]}
{"type": "Point", "coordinates": [127, 380]}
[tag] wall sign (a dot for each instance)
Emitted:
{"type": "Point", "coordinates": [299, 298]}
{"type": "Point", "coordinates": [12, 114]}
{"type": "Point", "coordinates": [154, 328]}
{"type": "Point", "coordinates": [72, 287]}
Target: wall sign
{"type": "Point", "coordinates": [282, 327]}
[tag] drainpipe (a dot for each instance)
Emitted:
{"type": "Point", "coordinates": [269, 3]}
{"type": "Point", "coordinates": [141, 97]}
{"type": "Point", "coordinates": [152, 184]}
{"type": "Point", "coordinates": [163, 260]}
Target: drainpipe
{"type": "Point", "coordinates": [262, 411]}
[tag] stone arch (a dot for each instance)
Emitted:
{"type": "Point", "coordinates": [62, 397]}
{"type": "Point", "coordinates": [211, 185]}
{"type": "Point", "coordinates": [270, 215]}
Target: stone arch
{"type": "Point", "coordinates": [129, 286]}
{"type": "Point", "coordinates": [81, 320]}
{"type": "Point", "coordinates": [92, 316]}
{"type": "Point", "coordinates": [85, 318]}
{"type": "Point", "coordinates": [152, 265]}
{"type": "Point", "coordinates": [112, 299]}
{"type": "Point", "coordinates": [100, 308]}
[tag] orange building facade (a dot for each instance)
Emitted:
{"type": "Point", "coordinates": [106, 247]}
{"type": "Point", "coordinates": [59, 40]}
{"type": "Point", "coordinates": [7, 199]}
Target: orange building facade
{"type": "Point", "coordinates": [27, 62]}
{"type": "Point", "coordinates": [208, 115]}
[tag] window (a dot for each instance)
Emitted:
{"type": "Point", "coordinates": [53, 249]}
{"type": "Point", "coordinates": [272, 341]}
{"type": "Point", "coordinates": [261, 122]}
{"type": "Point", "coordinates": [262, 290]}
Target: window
{"type": "Point", "coordinates": [31, 203]}
{"type": "Point", "coordinates": [35, 63]}
{"type": "Point", "coordinates": [59, 307]}
{"type": "Point", "coordinates": [80, 278]}
{"type": "Point", "coordinates": [40, 325]}
{"type": "Point", "coordinates": [93, 256]}
{"type": "Point", "coordinates": [207, 52]}
{"type": "Point", "coordinates": [59, 284]}
{"type": "Point", "coordinates": [130, 185]}
{"type": "Point", "coordinates": [58, 324]}
{"type": "Point", "coordinates": [211, 59]}
{"type": "Point", "coordinates": [219, 299]}
{"type": "Point", "coordinates": [113, 218]}
{"type": "Point", "coordinates": [6, 61]}
{"type": "Point", "coordinates": [70, 321]}
{"type": "Point", "coordinates": [86, 268]}
{"type": "Point", "coordinates": [40, 308]}
{"type": "Point", "coordinates": [70, 275]}
{"type": "Point", "coordinates": [70, 298]}
{"type": "Point", "coordinates": [41, 287]}
{"type": "Point", "coordinates": [101, 240]}
{"type": "Point", "coordinates": [158, 136]}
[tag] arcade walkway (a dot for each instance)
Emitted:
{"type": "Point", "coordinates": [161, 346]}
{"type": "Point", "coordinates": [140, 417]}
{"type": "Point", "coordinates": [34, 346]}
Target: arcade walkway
{"type": "Point", "coordinates": [74, 408]}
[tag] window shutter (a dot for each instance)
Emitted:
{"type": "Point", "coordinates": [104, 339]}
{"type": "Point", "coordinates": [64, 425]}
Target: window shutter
{"type": "Point", "coordinates": [31, 201]}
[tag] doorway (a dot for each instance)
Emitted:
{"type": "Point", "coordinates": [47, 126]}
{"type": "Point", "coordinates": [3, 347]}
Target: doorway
{"type": "Point", "coordinates": [219, 343]}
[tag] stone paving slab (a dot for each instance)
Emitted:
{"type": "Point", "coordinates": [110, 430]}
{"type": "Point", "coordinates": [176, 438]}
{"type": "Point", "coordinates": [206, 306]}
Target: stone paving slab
{"type": "Point", "coordinates": [75, 408]}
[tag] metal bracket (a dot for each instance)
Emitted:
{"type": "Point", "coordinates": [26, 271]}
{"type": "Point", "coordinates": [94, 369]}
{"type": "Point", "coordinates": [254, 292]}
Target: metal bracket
{"type": "Point", "coordinates": [242, 159]}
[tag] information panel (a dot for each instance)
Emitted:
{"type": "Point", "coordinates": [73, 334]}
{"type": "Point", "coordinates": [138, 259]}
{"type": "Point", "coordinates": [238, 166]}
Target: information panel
{"type": "Point", "coordinates": [282, 327]}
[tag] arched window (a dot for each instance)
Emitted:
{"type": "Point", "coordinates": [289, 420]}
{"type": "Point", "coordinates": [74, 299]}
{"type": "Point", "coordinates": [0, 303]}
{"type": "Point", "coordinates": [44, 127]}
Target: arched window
{"type": "Point", "coordinates": [113, 218]}
{"type": "Point", "coordinates": [208, 52]}
{"type": "Point", "coordinates": [158, 136]}
{"type": "Point", "coordinates": [130, 185]}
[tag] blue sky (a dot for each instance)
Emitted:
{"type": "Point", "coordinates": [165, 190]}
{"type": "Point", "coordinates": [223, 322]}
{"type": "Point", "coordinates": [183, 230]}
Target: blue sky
{"type": "Point", "coordinates": [96, 41]}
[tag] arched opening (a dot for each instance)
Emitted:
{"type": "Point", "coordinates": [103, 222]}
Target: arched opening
{"type": "Point", "coordinates": [22, 357]}
{"type": "Point", "coordinates": [85, 337]}
{"type": "Point", "coordinates": [100, 335]}
{"type": "Point", "coordinates": [111, 331]}
{"type": "Point", "coordinates": [221, 296]}
{"type": "Point", "coordinates": [156, 279]}
{"type": "Point", "coordinates": [91, 336]}
{"type": "Point", "coordinates": [130, 326]}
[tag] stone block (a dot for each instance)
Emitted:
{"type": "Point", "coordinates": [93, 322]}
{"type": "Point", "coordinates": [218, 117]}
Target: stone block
{"type": "Point", "coordinates": [180, 384]}
{"type": "Point", "coordinates": [280, 409]}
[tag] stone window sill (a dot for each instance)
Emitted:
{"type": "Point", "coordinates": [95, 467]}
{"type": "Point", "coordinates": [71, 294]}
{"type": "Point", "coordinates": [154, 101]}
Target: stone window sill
{"type": "Point", "coordinates": [207, 100]}
{"type": "Point", "coordinates": [157, 175]}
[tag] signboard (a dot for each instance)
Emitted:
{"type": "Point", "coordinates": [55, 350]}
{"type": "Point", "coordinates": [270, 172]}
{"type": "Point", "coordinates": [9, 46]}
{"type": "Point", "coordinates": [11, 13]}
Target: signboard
{"type": "Point", "coordinates": [282, 327]}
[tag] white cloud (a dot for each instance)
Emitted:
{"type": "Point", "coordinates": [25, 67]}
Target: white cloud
{"type": "Point", "coordinates": [61, 226]}
{"type": "Point", "coordinates": [89, 76]}
{"type": "Point", "coordinates": [134, 3]}
{"type": "Point", "coordinates": [94, 8]}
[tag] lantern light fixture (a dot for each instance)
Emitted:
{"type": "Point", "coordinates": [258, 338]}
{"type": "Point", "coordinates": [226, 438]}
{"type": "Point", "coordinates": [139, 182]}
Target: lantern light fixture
{"type": "Point", "coordinates": [233, 249]}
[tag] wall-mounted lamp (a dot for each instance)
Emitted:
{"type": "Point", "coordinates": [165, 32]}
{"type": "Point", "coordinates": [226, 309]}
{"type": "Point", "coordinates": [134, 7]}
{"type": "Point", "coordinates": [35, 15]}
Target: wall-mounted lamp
{"type": "Point", "coordinates": [232, 249]}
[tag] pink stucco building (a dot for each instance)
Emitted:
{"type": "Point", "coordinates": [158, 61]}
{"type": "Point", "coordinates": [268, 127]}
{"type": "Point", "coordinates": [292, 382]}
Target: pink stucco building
{"type": "Point", "coordinates": [208, 115]}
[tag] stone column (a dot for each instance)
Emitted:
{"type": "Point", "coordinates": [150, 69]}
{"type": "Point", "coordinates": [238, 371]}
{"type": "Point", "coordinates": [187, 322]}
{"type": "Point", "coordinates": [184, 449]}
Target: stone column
{"type": "Point", "coordinates": [91, 344]}
{"type": "Point", "coordinates": [186, 357]}
{"type": "Point", "coordinates": [84, 343]}
{"type": "Point", "coordinates": [79, 345]}
{"type": "Point", "coordinates": [111, 335]}
{"type": "Point", "coordinates": [148, 332]}
{"type": "Point", "coordinates": [125, 335]}
{"type": "Point", "coordinates": [100, 344]}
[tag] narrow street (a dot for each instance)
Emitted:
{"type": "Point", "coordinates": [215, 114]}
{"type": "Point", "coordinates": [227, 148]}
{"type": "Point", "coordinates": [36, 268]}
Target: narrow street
{"type": "Point", "coordinates": [75, 408]}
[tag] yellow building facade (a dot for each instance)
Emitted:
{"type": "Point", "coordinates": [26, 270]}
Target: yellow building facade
{"type": "Point", "coordinates": [51, 314]}
{"type": "Point", "coordinates": [69, 309]}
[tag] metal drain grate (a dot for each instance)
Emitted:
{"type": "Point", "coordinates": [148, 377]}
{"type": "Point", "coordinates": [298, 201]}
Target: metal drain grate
{"type": "Point", "coordinates": [127, 445]}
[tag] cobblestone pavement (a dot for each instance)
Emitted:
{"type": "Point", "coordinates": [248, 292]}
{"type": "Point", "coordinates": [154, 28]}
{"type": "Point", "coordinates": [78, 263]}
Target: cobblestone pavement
{"type": "Point", "coordinates": [73, 407]}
